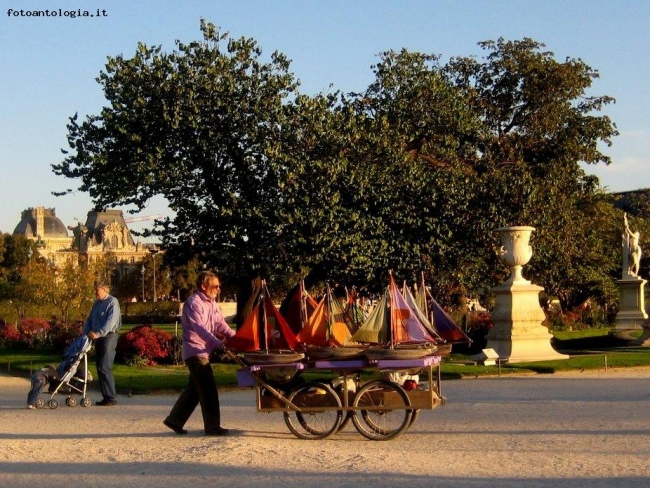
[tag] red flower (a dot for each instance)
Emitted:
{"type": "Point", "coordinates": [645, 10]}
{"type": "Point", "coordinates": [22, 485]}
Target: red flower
{"type": "Point", "coordinates": [145, 345]}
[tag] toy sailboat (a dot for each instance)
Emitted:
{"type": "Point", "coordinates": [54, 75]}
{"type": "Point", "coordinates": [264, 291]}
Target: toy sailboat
{"type": "Point", "coordinates": [265, 337]}
{"type": "Point", "coordinates": [394, 330]}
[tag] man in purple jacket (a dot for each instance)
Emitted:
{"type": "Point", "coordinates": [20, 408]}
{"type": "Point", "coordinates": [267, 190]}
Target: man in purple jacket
{"type": "Point", "coordinates": [204, 329]}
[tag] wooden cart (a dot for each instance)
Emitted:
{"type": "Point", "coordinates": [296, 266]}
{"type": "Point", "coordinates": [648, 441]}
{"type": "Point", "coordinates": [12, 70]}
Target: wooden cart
{"type": "Point", "coordinates": [380, 409]}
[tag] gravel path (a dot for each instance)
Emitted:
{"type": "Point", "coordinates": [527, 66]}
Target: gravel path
{"type": "Point", "coordinates": [582, 430]}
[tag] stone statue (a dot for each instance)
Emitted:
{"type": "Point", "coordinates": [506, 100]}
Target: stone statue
{"type": "Point", "coordinates": [631, 251]}
{"type": "Point", "coordinates": [80, 237]}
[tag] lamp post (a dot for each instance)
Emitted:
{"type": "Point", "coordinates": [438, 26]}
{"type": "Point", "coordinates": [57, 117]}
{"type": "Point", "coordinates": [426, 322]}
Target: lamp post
{"type": "Point", "coordinates": [142, 282]}
{"type": "Point", "coordinates": [154, 251]}
{"type": "Point", "coordinates": [169, 279]}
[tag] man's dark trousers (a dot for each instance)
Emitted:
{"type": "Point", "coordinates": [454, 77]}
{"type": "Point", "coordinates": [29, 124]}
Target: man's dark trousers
{"type": "Point", "coordinates": [202, 389]}
{"type": "Point", "coordinates": [105, 349]}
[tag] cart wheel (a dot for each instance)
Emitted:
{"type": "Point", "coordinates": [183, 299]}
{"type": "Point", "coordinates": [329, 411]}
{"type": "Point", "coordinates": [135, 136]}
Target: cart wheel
{"type": "Point", "coordinates": [40, 403]}
{"type": "Point", "coordinates": [86, 402]}
{"type": "Point", "coordinates": [414, 416]}
{"type": "Point", "coordinates": [71, 402]}
{"type": "Point", "coordinates": [346, 421]}
{"type": "Point", "coordinates": [53, 404]}
{"type": "Point", "coordinates": [319, 423]}
{"type": "Point", "coordinates": [380, 412]}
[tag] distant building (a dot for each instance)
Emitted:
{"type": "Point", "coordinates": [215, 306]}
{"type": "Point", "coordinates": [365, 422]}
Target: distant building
{"type": "Point", "coordinates": [43, 226]}
{"type": "Point", "coordinates": [105, 234]}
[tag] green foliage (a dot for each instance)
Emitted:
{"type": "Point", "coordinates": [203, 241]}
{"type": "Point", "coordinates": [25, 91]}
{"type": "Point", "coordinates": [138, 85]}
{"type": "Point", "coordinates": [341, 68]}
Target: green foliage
{"type": "Point", "coordinates": [32, 285]}
{"type": "Point", "coordinates": [14, 254]}
{"type": "Point", "coordinates": [197, 121]}
{"type": "Point", "coordinates": [588, 319]}
{"type": "Point", "coordinates": [68, 288]}
{"type": "Point", "coordinates": [412, 173]}
{"type": "Point", "coordinates": [131, 285]}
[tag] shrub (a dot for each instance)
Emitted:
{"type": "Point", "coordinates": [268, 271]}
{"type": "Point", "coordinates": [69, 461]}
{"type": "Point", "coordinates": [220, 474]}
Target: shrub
{"type": "Point", "coordinates": [144, 345]}
{"type": "Point", "coordinates": [8, 334]}
{"type": "Point", "coordinates": [33, 332]}
{"type": "Point", "coordinates": [63, 333]}
{"type": "Point", "coordinates": [477, 325]}
{"type": "Point", "coordinates": [589, 314]}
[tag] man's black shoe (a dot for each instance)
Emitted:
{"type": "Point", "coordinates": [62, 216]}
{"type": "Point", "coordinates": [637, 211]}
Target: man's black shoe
{"type": "Point", "coordinates": [178, 430]}
{"type": "Point", "coordinates": [217, 433]}
{"type": "Point", "coordinates": [106, 402]}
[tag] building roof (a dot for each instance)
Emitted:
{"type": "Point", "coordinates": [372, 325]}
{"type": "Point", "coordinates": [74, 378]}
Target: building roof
{"type": "Point", "coordinates": [52, 225]}
{"type": "Point", "coordinates": [96, 221]}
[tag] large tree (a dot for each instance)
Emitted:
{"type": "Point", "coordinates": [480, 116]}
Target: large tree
{"type": "Point", "coordinates": [412, 173]}
{"type": "Point", "coordinates": [198, 126]}
{"type": "Point", "coordinates": [541, 122]}
{"type": "Point", "coordinates": [463, 148]}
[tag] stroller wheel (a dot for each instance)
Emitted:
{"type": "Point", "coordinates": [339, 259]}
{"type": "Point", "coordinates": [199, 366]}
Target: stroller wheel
{"type": "Point", "coordinates": [71, 402]}
{"type": "Point", "coordinates": [40, 403]}
{"type": "Point", "coordinates": [53, 404]}
{"type": "Point", "coordinates": [86, 402]}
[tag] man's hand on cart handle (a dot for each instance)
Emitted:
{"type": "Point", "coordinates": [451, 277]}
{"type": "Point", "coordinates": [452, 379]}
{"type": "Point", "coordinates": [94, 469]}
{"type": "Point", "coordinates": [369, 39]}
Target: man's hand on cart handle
{"type": "Point", "coordinates": [227, 352]}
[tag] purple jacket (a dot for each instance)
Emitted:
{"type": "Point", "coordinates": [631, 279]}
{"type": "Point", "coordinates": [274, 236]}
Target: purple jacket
{"type": "Point", "coordinates": [204, 327]}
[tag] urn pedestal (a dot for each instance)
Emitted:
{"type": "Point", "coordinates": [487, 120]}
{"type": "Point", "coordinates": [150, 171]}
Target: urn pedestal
{"type": "Point", "coordinates": [518, 334]}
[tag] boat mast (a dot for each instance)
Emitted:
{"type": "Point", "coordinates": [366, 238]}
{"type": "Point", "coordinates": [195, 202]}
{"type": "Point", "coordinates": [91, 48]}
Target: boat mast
{"type": "Point", "coordinates": [265, 293]}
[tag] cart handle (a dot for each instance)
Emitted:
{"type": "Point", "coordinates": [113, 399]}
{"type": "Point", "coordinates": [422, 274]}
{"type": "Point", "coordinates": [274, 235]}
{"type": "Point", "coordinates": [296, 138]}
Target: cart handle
{"type": "Point", "coordinates": [261, 382]}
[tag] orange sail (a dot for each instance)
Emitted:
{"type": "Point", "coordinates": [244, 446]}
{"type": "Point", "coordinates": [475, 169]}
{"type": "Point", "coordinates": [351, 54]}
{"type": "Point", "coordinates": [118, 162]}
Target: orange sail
{"type": "Point", "coordinates": [326, 326]}
{"type": "Point", "coordinates": [247, 338]}
{"type": "Point", "coordinates": [278, 333]}
{"type": "Point", "coordinates": [315, 330]}
{"type": "Point", "coordinates": [264, 329]}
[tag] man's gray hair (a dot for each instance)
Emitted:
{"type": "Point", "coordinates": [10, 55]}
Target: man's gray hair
{"type": "Point", "coordinates": [101, 284]}
{"type": "Point", "coordinates": [204, 277]}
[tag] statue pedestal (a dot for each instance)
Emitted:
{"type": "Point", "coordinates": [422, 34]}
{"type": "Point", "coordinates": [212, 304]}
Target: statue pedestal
{"type": "Point", "coordinates": [518, 334]}
{"type": "Point", "coordinates": [644, 340]}
{"type": "Point", "coordinates": [631, 314]}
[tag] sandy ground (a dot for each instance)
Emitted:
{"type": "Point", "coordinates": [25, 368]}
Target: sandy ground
{"type": "Point", "coordinates": [580, 430]}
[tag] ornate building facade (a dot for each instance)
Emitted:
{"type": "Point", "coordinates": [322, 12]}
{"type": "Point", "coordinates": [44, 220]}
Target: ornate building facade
{"type": "Point", "coordinates": [104, 235]}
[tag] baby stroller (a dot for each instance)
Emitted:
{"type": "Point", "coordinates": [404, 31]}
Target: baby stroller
{"type": "Point", "coordinates": [71, 380]}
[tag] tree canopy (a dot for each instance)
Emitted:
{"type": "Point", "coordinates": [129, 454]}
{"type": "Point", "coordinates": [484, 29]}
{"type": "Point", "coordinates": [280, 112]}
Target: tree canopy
{"type": "Point", "coordinates": [412, 173]}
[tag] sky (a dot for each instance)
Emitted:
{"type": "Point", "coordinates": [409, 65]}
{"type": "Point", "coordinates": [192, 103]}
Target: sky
{"type": "Point", "coordinates": [49, 66]}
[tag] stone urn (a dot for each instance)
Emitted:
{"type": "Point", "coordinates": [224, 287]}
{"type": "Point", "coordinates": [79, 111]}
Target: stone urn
{"type": "Point", "coordinates": [515, 250]}
{"type": "Point", "coordinates": [518, 334]}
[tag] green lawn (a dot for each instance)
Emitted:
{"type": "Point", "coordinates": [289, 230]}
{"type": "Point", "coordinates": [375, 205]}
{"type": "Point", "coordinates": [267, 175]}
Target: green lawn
{"type": "Point", "coordinates": [588, 349]}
